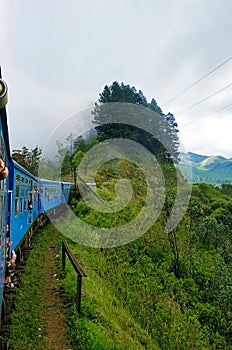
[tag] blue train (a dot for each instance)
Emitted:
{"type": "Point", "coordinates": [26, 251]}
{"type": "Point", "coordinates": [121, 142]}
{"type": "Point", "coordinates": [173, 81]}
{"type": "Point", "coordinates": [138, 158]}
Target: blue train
{"type": "Point", "coordinates": [24, 198]}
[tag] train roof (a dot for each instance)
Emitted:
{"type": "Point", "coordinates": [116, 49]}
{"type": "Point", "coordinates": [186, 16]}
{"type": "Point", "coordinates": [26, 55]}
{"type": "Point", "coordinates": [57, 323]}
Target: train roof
{"type": "Point", "coordinates": [51, 181]}
{"type": "Point", "coordinates": [23, 170]}
{"type": "Point", "coordinates": [56, 181]}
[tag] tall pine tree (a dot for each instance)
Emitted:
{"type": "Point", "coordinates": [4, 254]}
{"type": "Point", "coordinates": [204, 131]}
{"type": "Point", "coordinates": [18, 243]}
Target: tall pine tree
{"type": "Point", "coordinates": [165, 126]}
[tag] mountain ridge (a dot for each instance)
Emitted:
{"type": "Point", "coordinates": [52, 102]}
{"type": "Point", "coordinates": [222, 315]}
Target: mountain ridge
{"type": "Point", "coordinates": [201, 168]}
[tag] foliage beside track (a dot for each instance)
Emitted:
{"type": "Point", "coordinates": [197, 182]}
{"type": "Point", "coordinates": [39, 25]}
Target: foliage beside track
{"type": "Point", "coordinates": [27, 330]}
{"type": "Point", "coordinates": [175, 288]}
{"type": "Point", "coordinates": [138, 296]}
{"type": "Point", "coordinates": [104, 322]}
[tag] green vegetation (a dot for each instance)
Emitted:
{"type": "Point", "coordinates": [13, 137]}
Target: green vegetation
{"type": "Point", "coordinates": [160, 291]}
{"type": "Point", "coordinates": [27, 328]}
{"type": "Point", "coordinates": [160, 138]}
{"type": "Point", "coordinates": [105, 322]}
{"type": "Point", "coordinates": [28, 159]}
{"type": "Point", "coordinates": [163, 126]}
{"type": "Point", "coordinates": [214, 169]}
{"type": "Point", "coordinates": [138, 296]}
{"type": "Point", "coordinates": [174, 288]}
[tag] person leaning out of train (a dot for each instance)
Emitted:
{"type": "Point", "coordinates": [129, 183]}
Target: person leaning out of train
{"type": "Point", "coordinates": [3, 170]}
{"type": "Point", "coordinates": [10, 265]}
{"type": "Point", "coordinates": [8, 245]}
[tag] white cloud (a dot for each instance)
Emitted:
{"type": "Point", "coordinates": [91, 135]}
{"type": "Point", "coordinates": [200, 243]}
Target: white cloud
{"type": "Point", "coordinates": [209, 136]}
{"type": "Point", "coordinates": [58, 55]}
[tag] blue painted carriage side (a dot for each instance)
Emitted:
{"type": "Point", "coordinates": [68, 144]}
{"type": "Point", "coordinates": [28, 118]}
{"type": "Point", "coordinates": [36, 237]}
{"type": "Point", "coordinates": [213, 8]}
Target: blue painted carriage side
{"type": "Point", "coordinates": [50, 194]}
{"type": "Point", "coordinates": [4, 186]}
{"type": "Point", "coordinates": [24, 188]}
{"type": "Point", "coordinates": [66, 189]}
{"type": "Point", "coordinates": [15, 193]}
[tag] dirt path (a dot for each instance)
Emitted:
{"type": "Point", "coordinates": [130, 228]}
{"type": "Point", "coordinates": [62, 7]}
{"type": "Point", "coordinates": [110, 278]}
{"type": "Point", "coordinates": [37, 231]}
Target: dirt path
{"type": "Point", "coordinates": [52, 316]}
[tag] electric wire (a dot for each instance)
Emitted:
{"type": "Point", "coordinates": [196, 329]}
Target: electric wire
{"type": "Point", "coordinates": [204, 99]}
{"type": "Point", "coordinates": [208, 115]}
{"type": "Point", "coordinates": [196, 82]}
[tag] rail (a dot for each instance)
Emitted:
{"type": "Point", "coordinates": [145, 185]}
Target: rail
{"type": "Point", "coordinates": [77, 267]}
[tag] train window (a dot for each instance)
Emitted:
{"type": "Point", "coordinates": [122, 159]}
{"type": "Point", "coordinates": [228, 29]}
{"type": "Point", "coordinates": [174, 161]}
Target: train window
{"type": "Point", "coordinates": [27, 187]}
{"type": "Point", "coordinates": [22, 186]}
{"type": "Point", "coordinates": [21, 205]}
{"type": "Point", "coordinates": [17, 185]}
{"type": "Point", "coordinates": [16, 209]}
{"type": "Point", "coordinates": [25, 204]}
{"type": "Point", "coordinates": [27, 190]}
{"type": "Point", "coordinates": [30, 191]}
{"type": "Point", "coordinates": [22, 194]}
{"type": "Point", "coordinates": [65, 191]}
{"type": "Point", "coordinates": [35, 191]}
{"type": "Point", "coordinates": [3, 193]}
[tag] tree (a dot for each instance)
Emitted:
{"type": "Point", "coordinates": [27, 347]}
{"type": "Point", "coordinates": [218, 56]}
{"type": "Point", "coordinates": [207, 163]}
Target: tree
{"type": "Point", "coordinates": [165, 127]}
{"type": "Point", "coordinates": [28, 159]}
{"type": "Point", "coordinates": [21, 156]}
{"type": "Point", "coordinates": [227, 189]}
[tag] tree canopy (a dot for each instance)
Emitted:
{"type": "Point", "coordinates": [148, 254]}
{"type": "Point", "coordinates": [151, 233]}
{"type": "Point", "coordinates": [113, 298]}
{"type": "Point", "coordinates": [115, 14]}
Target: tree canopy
{"type": "Point", "coordinates": [166, 127]}
{"type": "Point", "coordinates": [29, 159]}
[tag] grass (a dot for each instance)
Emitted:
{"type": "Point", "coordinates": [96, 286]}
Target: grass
{"type": "Point", "coordinates": [105, 323]}
{"type": "Point", "coordinates": [27, 328]}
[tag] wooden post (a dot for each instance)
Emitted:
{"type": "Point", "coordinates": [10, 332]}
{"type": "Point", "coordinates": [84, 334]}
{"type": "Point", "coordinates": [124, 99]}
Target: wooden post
{"type": "Point", "coordinates": [63, 257]}
{"type": "Point", "coordinates": [75, 182]}
{"type": "Point", "coordinates": [79, 270]}
{"type": "Point", "coordinates": [79, 284]}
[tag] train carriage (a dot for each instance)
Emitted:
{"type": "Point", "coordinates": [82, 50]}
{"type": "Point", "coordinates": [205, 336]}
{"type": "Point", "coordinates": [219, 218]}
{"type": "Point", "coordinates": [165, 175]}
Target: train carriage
{"type": "Point", "coordinates": [4, 183]}
{"type": "Point", "coordinates": [24, 199]}
{"type": "Point", "coordinates": [50, 194]}
{"type": "Point", "coordinates": [24, 202]}
{"type": "Point", "coordinates": [66, 186]}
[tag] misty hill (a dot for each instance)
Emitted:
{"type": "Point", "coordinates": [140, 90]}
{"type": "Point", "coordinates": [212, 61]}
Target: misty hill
{"type": "Point", "coordinates": [209, 169]}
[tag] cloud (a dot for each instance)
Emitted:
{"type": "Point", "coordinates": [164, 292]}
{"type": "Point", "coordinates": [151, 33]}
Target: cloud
{"type": "Point", "coordinates": [58, 55]}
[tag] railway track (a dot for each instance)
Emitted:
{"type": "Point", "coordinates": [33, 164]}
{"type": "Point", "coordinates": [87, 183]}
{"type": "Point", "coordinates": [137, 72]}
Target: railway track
{"type": "Point", "coordinates": [9, 301]}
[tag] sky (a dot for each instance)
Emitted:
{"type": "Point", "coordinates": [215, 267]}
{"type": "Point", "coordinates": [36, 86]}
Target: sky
{"type": "Point", "coordinates": [57, 56]}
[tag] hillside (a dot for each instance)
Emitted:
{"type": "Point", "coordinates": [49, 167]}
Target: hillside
{"type": "Point", "coordinates": [160, 291]}
{"type": "Point", "coordinates": [209, 169]}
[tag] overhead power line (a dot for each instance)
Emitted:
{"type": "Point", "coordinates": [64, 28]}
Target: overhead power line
{"type": "Point", "coordinates": [208, 115]}
{"type": "Point", "coordinates": [196, 82]}
{"type": "Point", "coordinates": [219, 110]}
{"type": "Point", "coordinates": [204, 99]}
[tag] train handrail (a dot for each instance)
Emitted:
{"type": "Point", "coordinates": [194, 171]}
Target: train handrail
{"type": "Point", "coordinates": [77, 267]}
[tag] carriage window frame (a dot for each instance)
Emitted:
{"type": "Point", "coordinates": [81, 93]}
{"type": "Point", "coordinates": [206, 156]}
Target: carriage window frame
{"type": "Point", "coordinates": [21, 194]}
{"type": "Point", "coordinates": [17, 194]}
{"type": "Point", "coordinates": [26, 194]}
{"type": "Point", "coordinates": [3, 193]}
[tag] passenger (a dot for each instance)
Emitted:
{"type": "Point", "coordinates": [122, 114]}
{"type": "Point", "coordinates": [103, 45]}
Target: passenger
{"type": "Point", "coordinates": [9, 273]}
{"type": "Point", "coordinates": [3, 170]}
{"type": "Point", "coordinates": [10, 266]}
{"type": "Point", "coordinates": [30, 206]}
{"type": "Point", "coordinates": [8, 245]}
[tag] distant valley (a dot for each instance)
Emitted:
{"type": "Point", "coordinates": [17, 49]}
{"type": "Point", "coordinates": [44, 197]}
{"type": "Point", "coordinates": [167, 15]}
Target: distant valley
{"type": "Point", "coordinates": [209, 169]}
